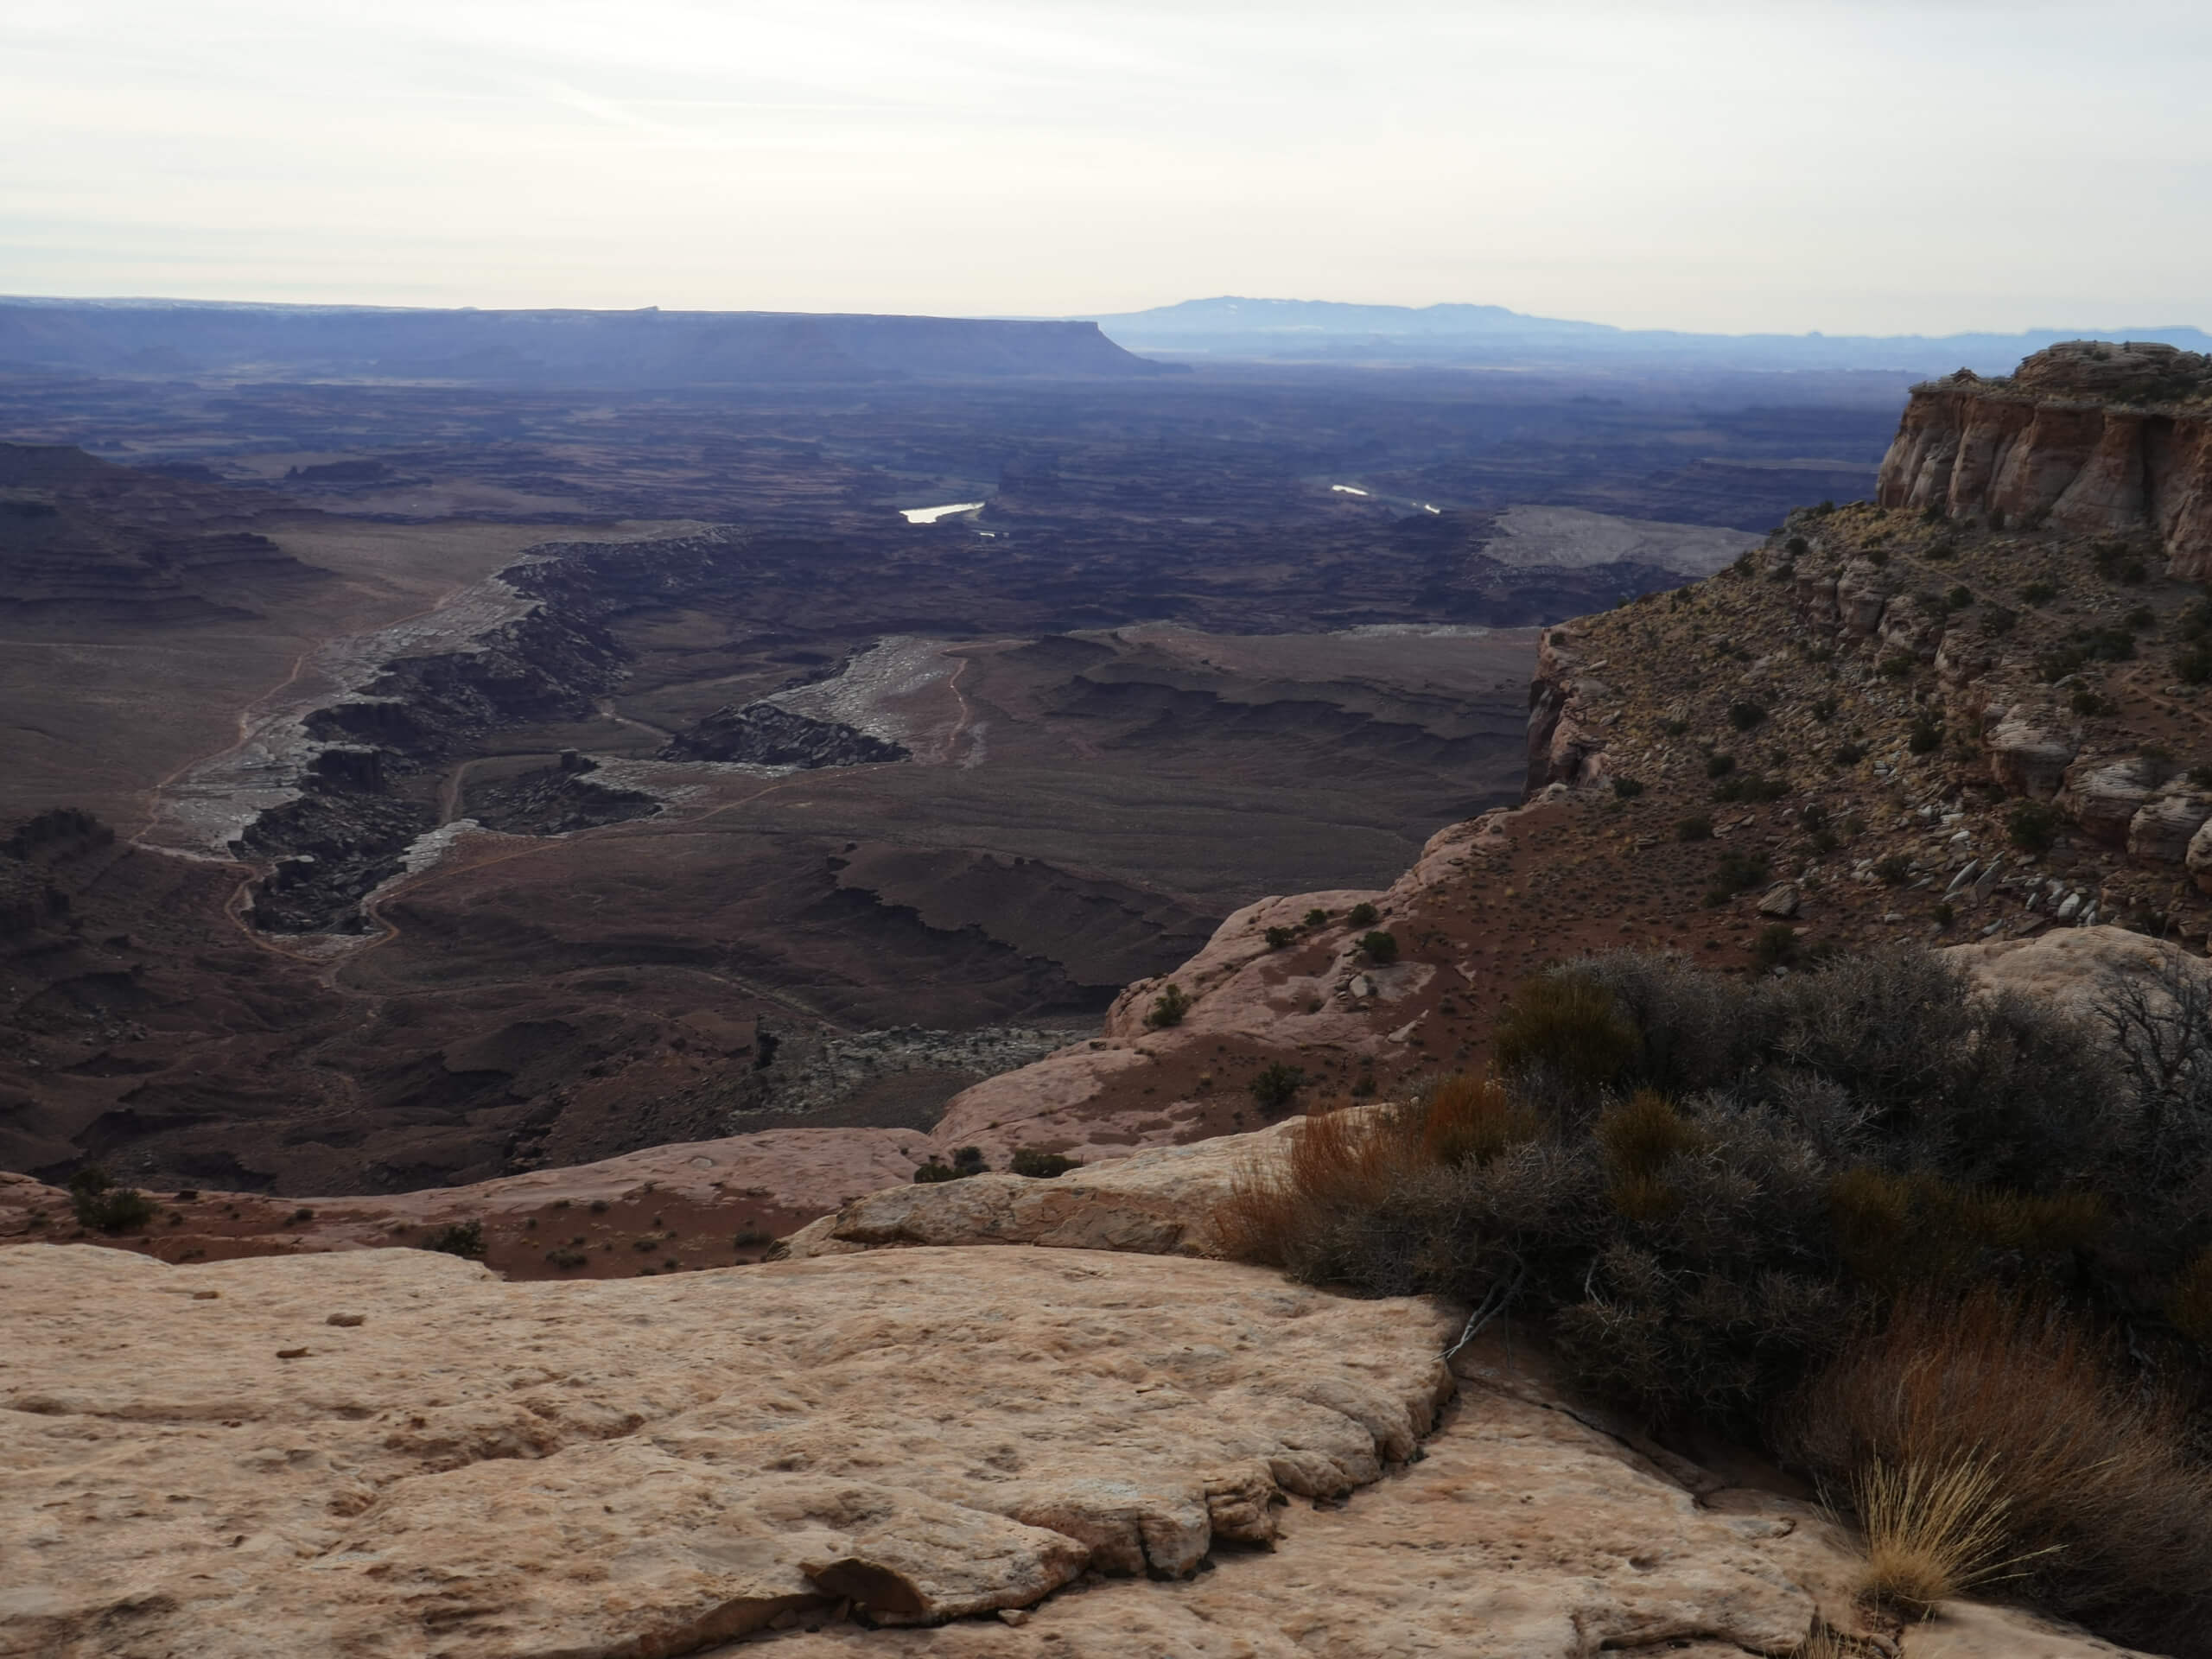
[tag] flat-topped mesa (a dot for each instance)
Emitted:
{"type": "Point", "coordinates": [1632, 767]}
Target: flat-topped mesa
{"type": "Point", "coordinates": [2093, 437]}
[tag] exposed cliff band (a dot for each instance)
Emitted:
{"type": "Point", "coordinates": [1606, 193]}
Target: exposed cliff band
{"type": "Point", "coordinates": [2093, 437]}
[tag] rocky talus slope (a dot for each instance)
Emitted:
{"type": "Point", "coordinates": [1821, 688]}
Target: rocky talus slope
{"type": "Point", "coordinates": [1054, 1450]}
{"type": "Point", "coordinates": [2094, 437]}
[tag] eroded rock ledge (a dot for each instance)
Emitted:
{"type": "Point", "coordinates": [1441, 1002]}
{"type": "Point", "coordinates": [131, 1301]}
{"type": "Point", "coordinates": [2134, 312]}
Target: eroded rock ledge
{"type": "Point", "coordinates": [2099, 438]}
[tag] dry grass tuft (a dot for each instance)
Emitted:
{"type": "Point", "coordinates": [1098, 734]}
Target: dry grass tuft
{"type": "Point", "coordinates": [1931, 1532]}
{"type": "Point", "coordinates": [1471, 1118]}
{"type": "Point", "coordinates": [2103, 1512]}
{"type": "Point", "coordinates": [1333, 1162]}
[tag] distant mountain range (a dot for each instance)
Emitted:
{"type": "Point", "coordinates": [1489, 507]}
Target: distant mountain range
{"type": "Point", "coordinates": [650, 347]}
{"type": "Point", "coordinates": [1329, 332]}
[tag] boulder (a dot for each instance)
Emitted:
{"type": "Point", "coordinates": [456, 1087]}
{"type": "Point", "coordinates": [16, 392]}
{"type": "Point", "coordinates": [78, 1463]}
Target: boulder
{"type": "Point", "coordinates": [1861, 594]}
{"type": "Point", "coordinates": [2163, 827]}
{"type": "Point", "coordinates": [2031, 745]}
{"type": "Point", "coordinates": [1911, 624]}
{"type": "Point", "coordinates": [2102, 795]}
{"type": "Point", "coordinates": [2198, 859]}
{"type": "Point", "coordinates": [2071, 968]}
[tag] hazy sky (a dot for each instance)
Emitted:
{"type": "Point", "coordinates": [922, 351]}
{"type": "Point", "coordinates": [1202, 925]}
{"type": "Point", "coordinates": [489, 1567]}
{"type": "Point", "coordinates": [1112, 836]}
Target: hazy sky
{"type": "Point", "coordinates": [1928, 165]}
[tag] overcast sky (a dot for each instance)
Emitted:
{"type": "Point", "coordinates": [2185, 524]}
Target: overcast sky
{"type": "Point", "coordinates": [1849, 167]}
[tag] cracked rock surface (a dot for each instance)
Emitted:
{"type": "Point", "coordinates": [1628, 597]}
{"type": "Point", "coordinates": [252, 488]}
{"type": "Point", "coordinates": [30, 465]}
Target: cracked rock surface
{"type": "Point", "coordinates": [207, 1461]}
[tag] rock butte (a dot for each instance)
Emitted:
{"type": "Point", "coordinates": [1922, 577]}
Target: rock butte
{"type": "Point", "coordinates": [2103, 439]}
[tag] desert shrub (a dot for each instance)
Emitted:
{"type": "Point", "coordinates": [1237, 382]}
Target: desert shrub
{"type": "Point", "coordinates": [1700, 1183]}
{"type": "Point", "coordinates": [2095, 704]}
{"type": "Point", "coordinates": [1897, 665]}
{"type": "Point", "coordinates": [2189, 1303]}
{"type": "Point", "coordinates": [2038, 593]}
{"type": "Point", "coordinates": [1776, 946]}
{"type": "Point", "coordinates": [966, 1161]}
{"type": "Point", "coordinates": [1362, 915]}
{"type": "Point", "coordinates": [1996, 620]}
{"type": "Point", "coordinates": [1565, 1023]}
{"type": "Point", "coordinates": [2193, 663]}
{"type": "Point", "coordinates": [2033, 826]}
{"type": "Point", "coordinates": [1042, 1166]}
{"type": "Point", "coordinates": [1719, 766]}
{"type": "Point", "coordinates": [461, 1238]}
{"type": "Point", "coordinates": [1381, 947]}
{"type": "Point", "coordinates": [2100, 1512]}
{"type": "Point", "coordinates": [1848, 755]}
{"type": "Point", "coordinates": [1169, 1007]}
{"type": "Point", "coordinates": [562, 1257]}
{"type": "Point", "coordinates": [103, 1206]}
{"type": "Point", "coordinates": [1958, 598]}
{"type": "Point", "coordinates": [1746, 716]}
{"type": "Point", "coordinates": [1697, 827]}
{"type": "Point", "coordinates": [1317, 918]}
{"type": "Point", "coordinates": [1278, 937]}
{"type": "Point", "coordinates": [1275, 1084]}
{"type": "Point", "coordinates": [1739, 872]}
{"type": "Point", "coordinates": [1894, 869]}
{"type": "Point", "coordinates": [1626, 789]}
{"type": "Point", "coordinates": [1751, 787]}
{"type": "Point", "coordinates": [1927, 736]}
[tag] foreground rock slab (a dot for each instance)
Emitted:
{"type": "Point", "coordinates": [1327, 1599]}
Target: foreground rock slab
{"type": "Point", "coordinates": [1531, 1528]}
{"type": "Point", "coordinates": [392, 1452]}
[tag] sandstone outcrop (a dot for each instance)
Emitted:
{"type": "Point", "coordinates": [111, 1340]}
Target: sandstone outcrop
{"type": "Point", "coordinates": [1068, 1451]}
{"type": "Point", "coordinates": [2031, 745]}
{"type": "Point", "coordinates": [392, 1453]}
{"type": "Point", "coordinates": [2163, 827]}
{"type": "Point", "coordinates": [2102, 795]}
{"type": "Point", "coordinates": [2101, 439]}
{"type": "Point", "coordinates": [1564, 744]}
{"type": "Point", "coordinates": [1165, 1202]}
{"type": "Point", "coordinates": [2072, 968]}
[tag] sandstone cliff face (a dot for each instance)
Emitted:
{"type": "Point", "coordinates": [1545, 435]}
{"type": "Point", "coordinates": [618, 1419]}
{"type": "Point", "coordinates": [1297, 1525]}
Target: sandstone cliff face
{"type": "Point", "coordinates": [2106, 440]}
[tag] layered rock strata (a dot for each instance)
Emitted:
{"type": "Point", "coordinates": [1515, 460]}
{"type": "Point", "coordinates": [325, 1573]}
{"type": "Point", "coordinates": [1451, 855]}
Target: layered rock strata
{"type": "Point", "coordinates": [2097, 438]}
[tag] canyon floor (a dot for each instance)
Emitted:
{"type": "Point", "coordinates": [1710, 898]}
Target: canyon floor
{"type": "Point", "coordinates": [312, 658]}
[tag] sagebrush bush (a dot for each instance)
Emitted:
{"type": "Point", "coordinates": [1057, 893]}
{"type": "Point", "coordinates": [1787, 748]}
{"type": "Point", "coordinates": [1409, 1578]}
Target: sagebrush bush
{"type": "Point", "coordinates": [1724, 1199]}
{"type": "Point", "coordinates": [1169, 1007]}
{"type": "Point", "coordinates": [105, 1207]}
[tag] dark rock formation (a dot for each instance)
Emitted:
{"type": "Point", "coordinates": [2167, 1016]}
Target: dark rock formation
{"type": "Point", "coordinates": [2093, 437]}
{"type": "Point", "coordinates": [554, 801]}
{"type": "Point", "coordinates": [766, 734]}
{"type": "Point", "coordinates": [329, 851]}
